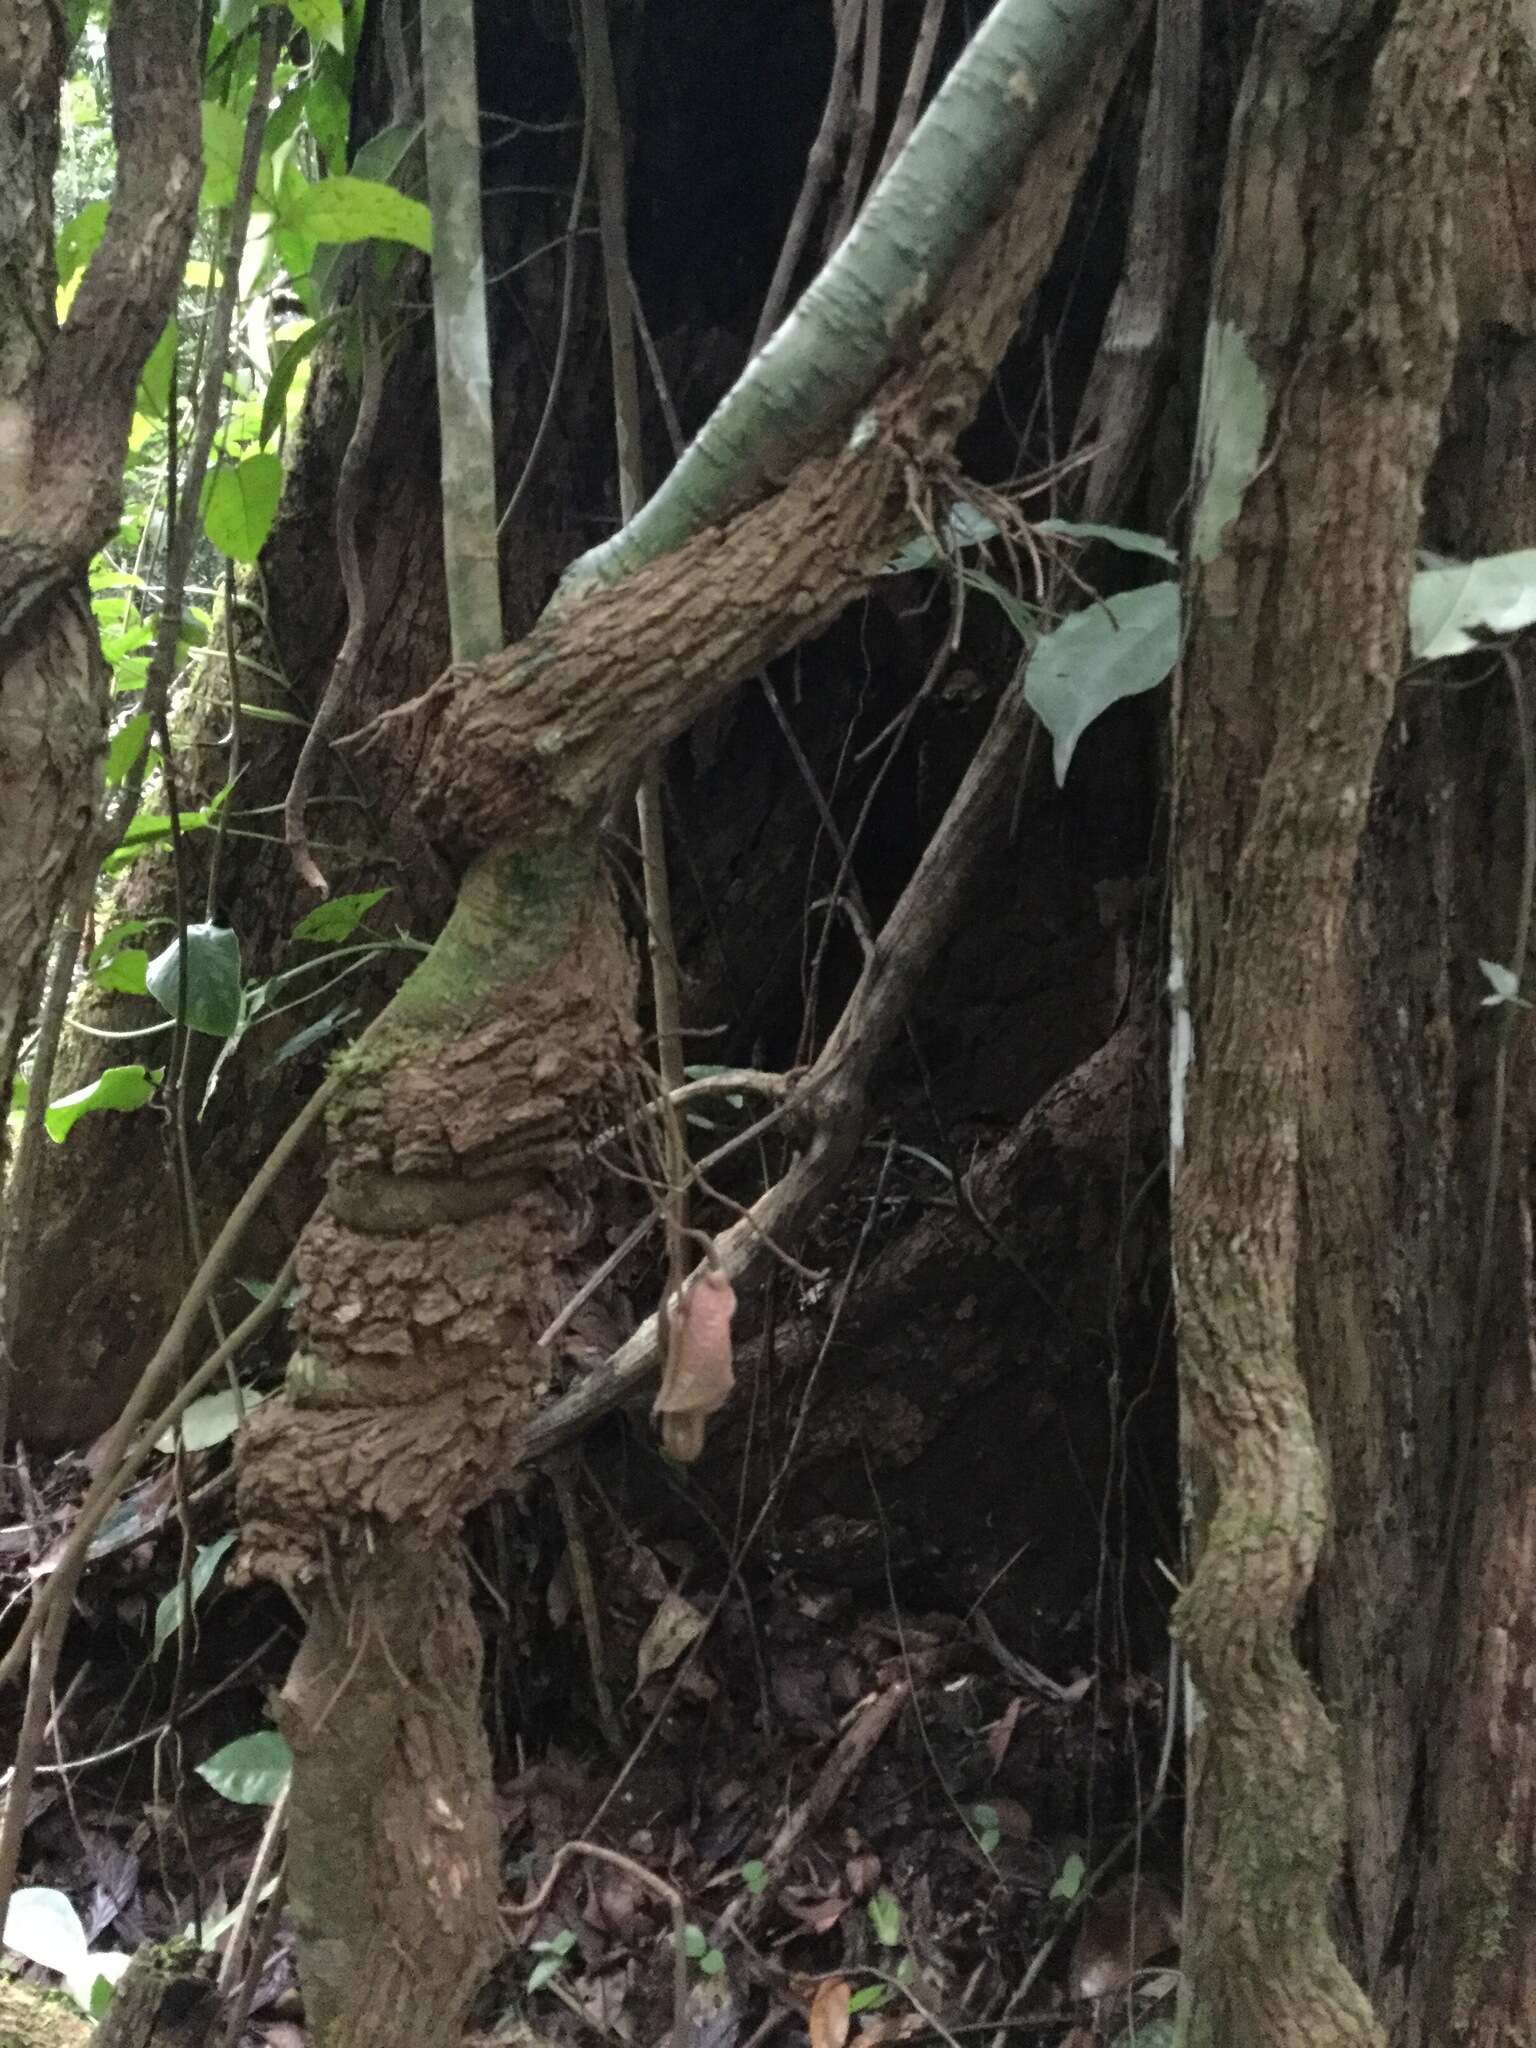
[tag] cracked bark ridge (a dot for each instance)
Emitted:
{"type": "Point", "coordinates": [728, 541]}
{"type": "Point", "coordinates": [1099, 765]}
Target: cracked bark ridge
{"type": "Point", "coordinates": [66, 403]}
{"type": "Point", "coordinates": [392, 1864]}
{"type": "Point", "coordinates": [459, 1211]}
{"type": "Point", "coordinates": [1338, 272]}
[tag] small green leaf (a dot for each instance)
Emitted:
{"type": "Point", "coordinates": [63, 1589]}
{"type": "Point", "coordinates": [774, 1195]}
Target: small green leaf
{"type": "Point", "coordinates": [353, 209]}
{"type": "Point", "coordinates": [1110, 650]}
{"type": "Point", "coordinates": [204, 1565]}
{"type": "Point", "coordinates": [101, 1995]}
{"type": "Point", "coordinates": [213, 979]}
{"type": "Point", "coordinates": [382, 154]}
{"type": "Point", "coordinates": [754, 1876]}
{"type": "Point", "coordinates": [284, 370]}
{"type": "Point", "coordinates": [252, 1770]}
{"type": "Point", "coordinates": [125, 972]}
{"type": "Point", "coordinates": [542, 1971]}
{"type": "Point", "coordinates": [871, 1995]}
{"type": "Point", "coordinates": [1122, 537]}
{"type": "Point", "coordinates": [223, 145]}
{"type": "Point", "coordinates": [125, 747]}
{"type": "Point", "coordinates": [695, 1942]}
{"type": "Point", "coordinates": [81, 238]}
{"type": "Point", "coordinates": [322, 19]}
{"type": "Point", "coordinates": [885, 1918]}
{"type": "Point", "coordinates": [1069, 1882]}
{"type": "Point", "coordinates": [329, 115]}
{"type": "Point", "coordinates": [985, 1828]}
{"type": "Point", "coordinates": [121, 1088]}
{"type": "Point", "coordinates": [329, 923]}
{"type": "Point", "coordinates": [240, 504]}
{"type": "Point", "coordinates": [154, 394]}
{"type": "Point", "coordinates": [150, 829]}
{"type": "Point", "coordinates": [210, 1420]}
{"type": "Point", "coordinates": [711, 1963]}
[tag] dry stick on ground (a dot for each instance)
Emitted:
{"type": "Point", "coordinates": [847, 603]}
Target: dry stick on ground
{"type": "Point", "coordinates": [818, 171]}
{"type": "Point", "coordinates": [651, 1883]}
{"type": "Point", "coordinates": [349, 493]}
{"type": "Point", "coordinates": [852, 1751]}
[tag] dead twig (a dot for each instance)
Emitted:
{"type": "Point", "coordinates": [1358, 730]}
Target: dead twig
{"type": "Point", "coordinates": [848, 1757]}
{"type": "Point", "coordinates": [652, 1883]}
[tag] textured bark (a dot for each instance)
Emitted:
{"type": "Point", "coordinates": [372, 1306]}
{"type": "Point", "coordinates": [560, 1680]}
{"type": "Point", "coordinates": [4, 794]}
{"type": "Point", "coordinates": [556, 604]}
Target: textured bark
{"type": "Point", "coordinates": [392, 1869]}
{"type": "Point", "coordinates": [1422, 1643]}
{"type": "Point", "coordinates": [66, 402]}
{"type": "Point", "coordinates": [1337, 277]}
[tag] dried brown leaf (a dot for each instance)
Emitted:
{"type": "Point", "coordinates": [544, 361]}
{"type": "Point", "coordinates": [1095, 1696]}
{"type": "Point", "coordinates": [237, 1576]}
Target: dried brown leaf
{"type": "Point", "coordinates": [675, 1624]}
{"type": "Point", "coordinates": [829, 2014]}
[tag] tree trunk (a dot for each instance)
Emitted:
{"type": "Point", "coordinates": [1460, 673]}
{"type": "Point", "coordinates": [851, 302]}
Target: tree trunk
{"type": "Point", "coordinates": [1329, 353]}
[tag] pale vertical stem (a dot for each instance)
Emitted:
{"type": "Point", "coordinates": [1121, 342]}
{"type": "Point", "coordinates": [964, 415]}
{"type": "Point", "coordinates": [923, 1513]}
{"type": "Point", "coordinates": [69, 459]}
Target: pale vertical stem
{"type": "Point", "coordinates": [458, 313]}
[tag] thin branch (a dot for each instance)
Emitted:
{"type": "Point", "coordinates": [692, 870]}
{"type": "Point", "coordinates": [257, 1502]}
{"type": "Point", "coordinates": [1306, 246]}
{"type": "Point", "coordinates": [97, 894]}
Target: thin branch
{"type": "Point", "coordinates": [863, 124]}
{"type": "Point", "coordinates": [818, 170]}
{"type": "Point", "coordinates": [349, 495]}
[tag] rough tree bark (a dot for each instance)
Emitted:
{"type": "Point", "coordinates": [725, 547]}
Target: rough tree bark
{"type": "Point", "coordinates": [459, 1206]}
{"type": "Point", "coordinates": [1330, 349]}
{"type": "Point", "coordinates": [66, 403]}
{"type": "Point", "coordinates": [1418, 1285]}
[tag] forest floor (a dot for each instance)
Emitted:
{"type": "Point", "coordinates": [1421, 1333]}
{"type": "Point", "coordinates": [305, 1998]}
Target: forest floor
{"type": "Point", "coordinates": [872, 1816]}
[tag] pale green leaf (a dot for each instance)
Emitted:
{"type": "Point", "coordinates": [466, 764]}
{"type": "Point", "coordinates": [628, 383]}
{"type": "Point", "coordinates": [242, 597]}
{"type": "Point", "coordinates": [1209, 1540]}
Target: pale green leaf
{"type": "Point", "coordinates": [339, 918]}
{"type": "Point", "coordinates": [125, 972]}
{"type": "Point", "coordinates": [322, 19]}
{"type": "Point", "coordinates": [1234, 418]}
{"type": "Point", "coordinates": [1110, 650]}
{"type": "Point", "coordinates": [154, 394]}
{"type": "Point", "coordinates": [353, 209]}
{"type": "Point", "coordinates": [213, 979]}
{"type": "Point", "coordinates": [1069, 1881]}
{"type": "Point", "coordinates": [43, 1926]}
{"type": "Point", "coordinates": [885, 1918]}
{"type": "Point", "coordinates": [223, 145]}
{"type": "Point", "coordinates": [120, 1088]}
{"type": "Point", "coordinates": [1496, 594]}
{"type": "Point", "coordinates": [1123, 537]}
{"type": "Point", "coordinates": [252, 1770]}
{"type": "Point", "coordinates": [240, 505]}
{"type": "Point", "coordinates": [210, 1420]}
{"type": "Point", "coordinates": [125, 747]}
{"type": "Point", "coordinates": [169, 1612]}
{"type": "Point", "coordinates": [327, 110]}
{"type": "Point", "coordinates": [298, 351]}
{"type": "Point", "coordinates": [81, 238]}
